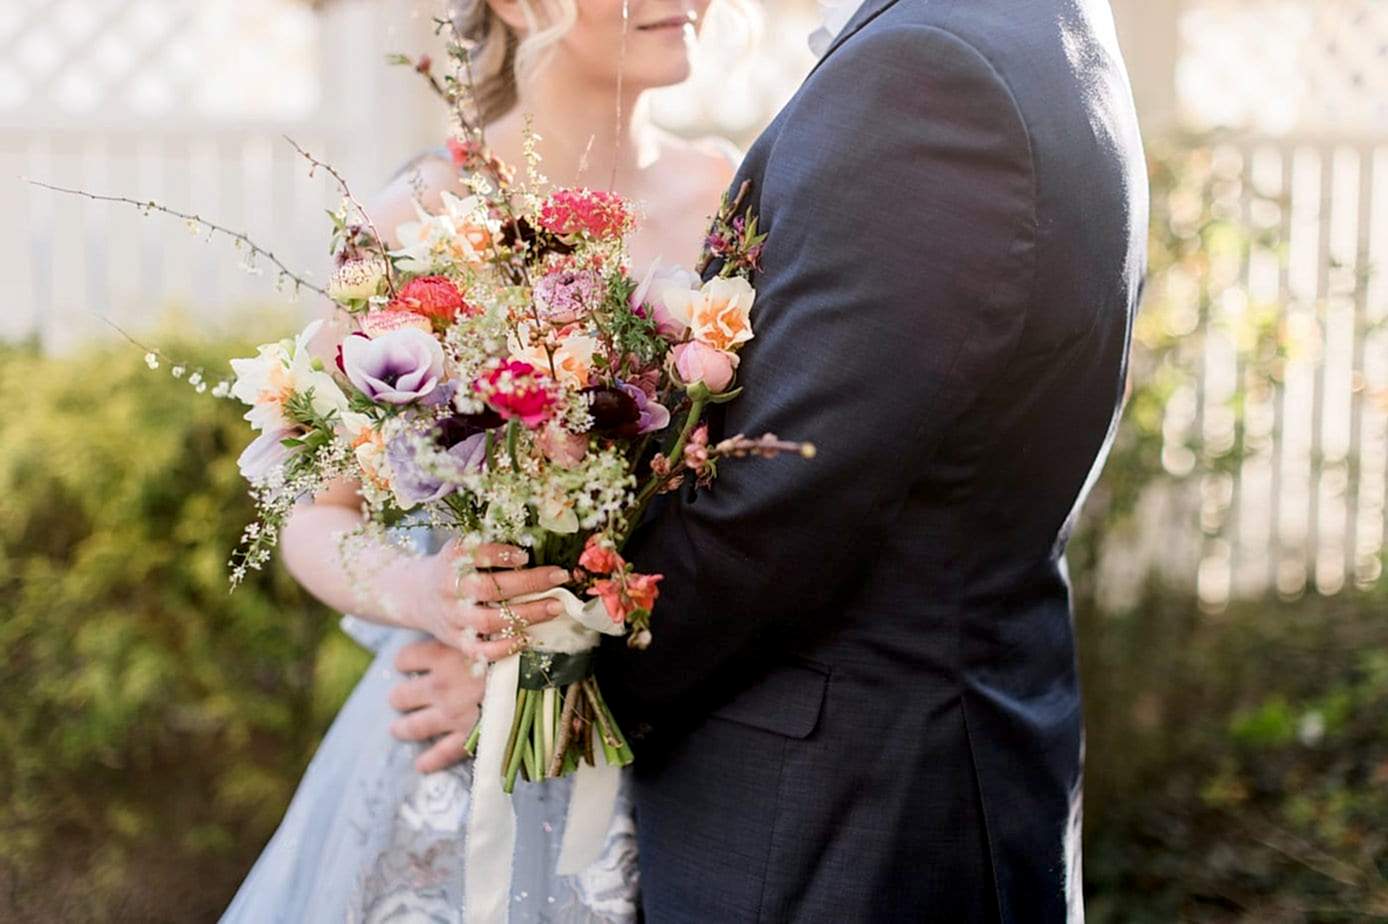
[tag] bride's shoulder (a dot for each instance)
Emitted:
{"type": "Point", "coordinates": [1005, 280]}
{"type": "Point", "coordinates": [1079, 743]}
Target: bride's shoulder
{"type": "Point", "coordinates": [709, 162]}
{"type": "Point", "coordinates": [423, 179]}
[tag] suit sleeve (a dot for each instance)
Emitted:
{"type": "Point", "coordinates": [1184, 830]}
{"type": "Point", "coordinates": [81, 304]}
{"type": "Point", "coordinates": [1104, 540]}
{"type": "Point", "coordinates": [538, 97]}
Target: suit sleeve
{"type": "Point", "coordinates": [900, 203]}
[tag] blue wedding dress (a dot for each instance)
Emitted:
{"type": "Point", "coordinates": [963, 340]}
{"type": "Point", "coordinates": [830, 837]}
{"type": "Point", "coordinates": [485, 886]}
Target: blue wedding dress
{"type": "Point", "coordinates": [369, 840]}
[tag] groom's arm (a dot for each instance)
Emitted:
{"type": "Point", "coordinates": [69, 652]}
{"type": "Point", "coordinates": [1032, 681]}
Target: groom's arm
{"type": "Point", "coordinates": [901, 212]}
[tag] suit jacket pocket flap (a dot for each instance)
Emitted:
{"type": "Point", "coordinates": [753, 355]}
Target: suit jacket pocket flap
{"type": "Point", "coordinates": [787, 701]}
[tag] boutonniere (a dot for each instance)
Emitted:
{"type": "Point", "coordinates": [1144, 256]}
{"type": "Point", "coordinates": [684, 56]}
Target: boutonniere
{"type": "Point", "coordinates": [734, 238]}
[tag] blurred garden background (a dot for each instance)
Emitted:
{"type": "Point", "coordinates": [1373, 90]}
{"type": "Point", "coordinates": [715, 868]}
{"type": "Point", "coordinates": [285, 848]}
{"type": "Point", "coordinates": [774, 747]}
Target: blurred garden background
{"type": "Point", "coordinates": [1228, 575]}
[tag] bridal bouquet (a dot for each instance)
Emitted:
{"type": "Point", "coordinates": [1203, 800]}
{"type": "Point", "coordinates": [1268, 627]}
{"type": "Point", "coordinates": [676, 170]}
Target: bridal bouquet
{"type": "Point", "coordinates": [504, 377]}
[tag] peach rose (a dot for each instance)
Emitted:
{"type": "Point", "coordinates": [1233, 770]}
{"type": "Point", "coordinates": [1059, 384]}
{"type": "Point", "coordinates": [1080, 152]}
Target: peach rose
{"type": "Point", "coordinates": [561, 447]}
{"type": "Point", "coordinates": [722, 311]}
{"type": "Point", "coordinates": [699, 362]}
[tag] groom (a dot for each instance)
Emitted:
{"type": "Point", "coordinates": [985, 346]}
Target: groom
{"type": "Point", "coordinates": [861, 704]}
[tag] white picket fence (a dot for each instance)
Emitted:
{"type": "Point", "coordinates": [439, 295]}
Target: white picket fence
{"type": "Point", "coordinates": [186, 102]}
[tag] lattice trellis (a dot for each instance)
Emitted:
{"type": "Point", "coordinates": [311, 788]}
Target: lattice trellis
{"type": "Point", "coordinates": [122, 59]}
{"type": "Point", "coordinates": [1284, 66]}
{"type": "Point", "coordinates": [185, 102]}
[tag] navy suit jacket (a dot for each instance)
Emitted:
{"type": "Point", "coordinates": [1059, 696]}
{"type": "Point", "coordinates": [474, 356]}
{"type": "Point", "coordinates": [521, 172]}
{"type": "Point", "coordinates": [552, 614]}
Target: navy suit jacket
{"type": "Point", "coordinates": [862, 701]}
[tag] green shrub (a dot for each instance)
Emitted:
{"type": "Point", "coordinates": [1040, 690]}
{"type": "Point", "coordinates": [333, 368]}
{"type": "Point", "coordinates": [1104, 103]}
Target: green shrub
{"type": "Point", "coordinates": [1237, 763]}
{"type": "Point", "coordinates": [151, 721]}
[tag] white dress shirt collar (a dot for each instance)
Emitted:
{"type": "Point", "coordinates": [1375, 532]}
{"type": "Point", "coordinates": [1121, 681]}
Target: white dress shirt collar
{"type": "Point", "coordinates": [836, 14]}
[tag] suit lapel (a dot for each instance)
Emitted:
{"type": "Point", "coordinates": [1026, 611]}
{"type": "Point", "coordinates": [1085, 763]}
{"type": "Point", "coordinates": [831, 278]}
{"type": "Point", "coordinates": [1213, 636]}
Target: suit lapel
{"type": "Point", "coordinates": [754, 163]}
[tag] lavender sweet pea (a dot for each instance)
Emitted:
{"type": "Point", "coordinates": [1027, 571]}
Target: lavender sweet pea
{"type": "Point", "coordinates": [265, 454]}
{"type": "Point", "coordinates": [421, 469]}
{"type": "Point", "coordinates": [395, 368]}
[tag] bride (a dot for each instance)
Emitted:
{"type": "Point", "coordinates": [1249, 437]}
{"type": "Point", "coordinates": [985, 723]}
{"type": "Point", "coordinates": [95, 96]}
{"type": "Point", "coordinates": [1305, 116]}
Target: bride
{"type": "Point", "coordinates": [376, 830]}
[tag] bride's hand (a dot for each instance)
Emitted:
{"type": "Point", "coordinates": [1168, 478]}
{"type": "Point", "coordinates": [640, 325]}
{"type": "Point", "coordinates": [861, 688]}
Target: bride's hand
{"type": "Point", "coordinates": [440, 699]}
{"type": "Point", "coordinates": [468, 611]}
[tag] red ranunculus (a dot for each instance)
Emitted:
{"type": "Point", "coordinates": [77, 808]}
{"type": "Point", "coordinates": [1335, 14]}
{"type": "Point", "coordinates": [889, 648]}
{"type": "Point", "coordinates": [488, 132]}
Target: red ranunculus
{"type": "Point", "coordinates": [434, 297]}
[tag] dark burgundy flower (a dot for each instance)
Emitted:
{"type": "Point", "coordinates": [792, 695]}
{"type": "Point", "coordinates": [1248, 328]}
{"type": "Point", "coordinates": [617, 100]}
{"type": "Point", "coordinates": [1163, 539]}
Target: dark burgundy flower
{"type": "Point", "coordinates": [615, 412]}
{"type": "Point", "coordinates": [521, 233]}
{"type": "Point", "coordinates": [454, 430]}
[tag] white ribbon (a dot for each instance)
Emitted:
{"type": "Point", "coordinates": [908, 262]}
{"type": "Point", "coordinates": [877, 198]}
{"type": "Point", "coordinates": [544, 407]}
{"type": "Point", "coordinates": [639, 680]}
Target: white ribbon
{"type": "Point", "coordinates": [491, 832]}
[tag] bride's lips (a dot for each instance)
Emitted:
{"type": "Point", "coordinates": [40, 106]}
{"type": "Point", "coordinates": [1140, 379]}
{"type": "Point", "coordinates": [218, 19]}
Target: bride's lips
{"type": "Point", "coordinates": [670, 22]}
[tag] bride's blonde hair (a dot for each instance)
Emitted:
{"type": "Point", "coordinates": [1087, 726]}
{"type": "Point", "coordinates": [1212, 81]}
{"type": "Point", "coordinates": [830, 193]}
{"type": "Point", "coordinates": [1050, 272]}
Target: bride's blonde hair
{"type": "Point", "coordinates": [501, 59]}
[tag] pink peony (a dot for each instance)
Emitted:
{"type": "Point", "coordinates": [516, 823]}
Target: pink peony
{"type": "Point", "coordinates": [699, 362]}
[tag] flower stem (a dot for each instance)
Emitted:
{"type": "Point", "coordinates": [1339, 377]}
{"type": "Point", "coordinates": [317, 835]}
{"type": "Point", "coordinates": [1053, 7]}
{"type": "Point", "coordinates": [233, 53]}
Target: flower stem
{"type": "Point", "coordinates": [515, 727]}
{"type": "Point", "coordinates": [620, 741]}
{"type": "Point", "coordinates": [531, 742]}
{"type": "Point", "coordinates": [522, 741]}
{"type": "Point", "coordinates": [696, 413]}
{"type": "Point", "coordinates": [559, 762]}
{"type": "Point", "coordinates": [547, 729]}
{"type": "Point", "coordinates": [656, 482]}
{"type": "Point", "coordinates": [512, 440]}
{"type": "Point", "coordinates": [613, 744]}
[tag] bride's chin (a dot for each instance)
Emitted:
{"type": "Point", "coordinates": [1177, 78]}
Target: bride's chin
{"type": "Point", "coordinates": [654, 76]}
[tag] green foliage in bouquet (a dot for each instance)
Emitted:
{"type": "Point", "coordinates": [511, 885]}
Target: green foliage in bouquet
{"type": "Point", "coordinates": [153, 725]}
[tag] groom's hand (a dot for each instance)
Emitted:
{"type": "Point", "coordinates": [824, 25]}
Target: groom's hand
{"type": "Point", "coordinates": [441, 702]}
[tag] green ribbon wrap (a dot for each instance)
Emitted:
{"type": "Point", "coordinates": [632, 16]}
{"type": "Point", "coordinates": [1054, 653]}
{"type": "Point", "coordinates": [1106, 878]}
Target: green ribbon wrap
{"type": "Point", "coordinates": [542, 669]}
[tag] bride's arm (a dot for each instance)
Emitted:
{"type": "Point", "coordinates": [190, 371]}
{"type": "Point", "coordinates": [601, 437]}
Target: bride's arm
{"type": "Point", "coordinates": [385, 584]}
{"type": "Point", "coordinates": [310, 547]}
{"type": "Point", "coordinates": [423, 179]}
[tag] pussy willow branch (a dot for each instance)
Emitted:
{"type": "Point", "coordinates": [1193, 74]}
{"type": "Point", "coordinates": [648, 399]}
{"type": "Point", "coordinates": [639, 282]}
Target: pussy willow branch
{"type": "Point", "coordinates": [314, 164]}
{"type": "Point", "coordinates": [151, 206]}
